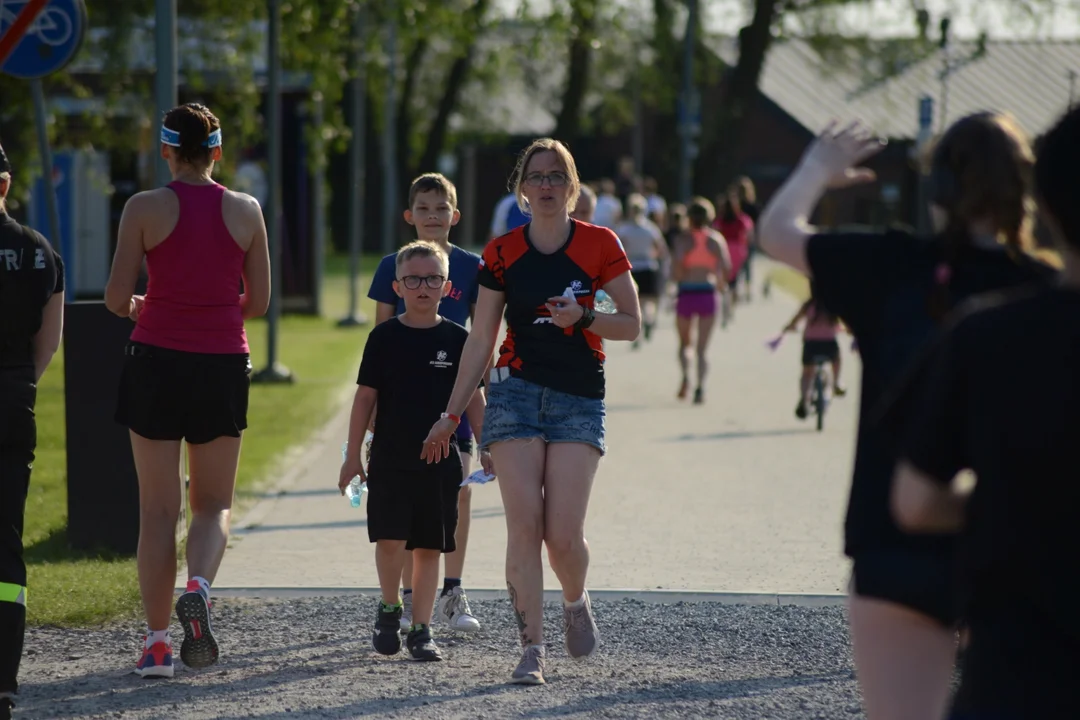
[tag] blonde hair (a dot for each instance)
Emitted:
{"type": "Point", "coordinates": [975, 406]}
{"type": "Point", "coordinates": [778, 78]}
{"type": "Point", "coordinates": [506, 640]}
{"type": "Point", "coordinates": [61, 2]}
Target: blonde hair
{"type": "Point", "coordinates": [565, 159]}
{"type": "Point", "coordinates": [422, 249]}
{"type": "Point", "coordinates": [637, 204]}
{"type": "Point", "coordinates": [700, 212]}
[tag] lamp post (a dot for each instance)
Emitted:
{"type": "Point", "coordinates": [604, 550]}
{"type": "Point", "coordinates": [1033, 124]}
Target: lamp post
{"type": "Point", "coordinates": [357, 167]}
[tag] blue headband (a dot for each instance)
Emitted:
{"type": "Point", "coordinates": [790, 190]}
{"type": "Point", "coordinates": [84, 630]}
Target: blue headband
{"type": "Point", "coordinates": [172, 138]}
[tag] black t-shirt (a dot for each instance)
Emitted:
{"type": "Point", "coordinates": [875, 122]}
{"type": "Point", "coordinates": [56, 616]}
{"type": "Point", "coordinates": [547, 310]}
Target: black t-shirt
{"type": "Point", "coordinates": [565, 359]}
{"type": "Point", "coordinates": [30, 273]}
{"type": "Point", "coordinates": [413, 370]}
{"type": "Point", "coordinates": [879, 284]}
{"type": "Point", "coordinates": [998, 395]}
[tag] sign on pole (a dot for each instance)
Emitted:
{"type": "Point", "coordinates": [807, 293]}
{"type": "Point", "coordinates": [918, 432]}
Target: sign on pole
{"type": "Point", "coordinates": [40, 37]}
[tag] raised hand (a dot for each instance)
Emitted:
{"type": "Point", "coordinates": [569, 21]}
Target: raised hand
{"type": "Point", "coordinates": [837, 154]}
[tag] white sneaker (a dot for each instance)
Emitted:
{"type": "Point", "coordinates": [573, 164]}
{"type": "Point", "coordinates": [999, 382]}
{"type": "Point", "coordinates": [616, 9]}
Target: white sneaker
{"type": "Point", "coordinates": [406, 611]}
{"type": "Point", "coordinates": [453, 609]}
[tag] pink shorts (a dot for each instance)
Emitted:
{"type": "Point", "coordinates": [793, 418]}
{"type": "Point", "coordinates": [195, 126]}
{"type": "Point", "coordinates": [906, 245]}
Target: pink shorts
{"type": "Point", "coordinates": [696, 301]}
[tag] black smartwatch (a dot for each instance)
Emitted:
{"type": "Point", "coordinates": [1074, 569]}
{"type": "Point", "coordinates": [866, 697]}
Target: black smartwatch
{"type": "Point", "coordinates": [586, 319]}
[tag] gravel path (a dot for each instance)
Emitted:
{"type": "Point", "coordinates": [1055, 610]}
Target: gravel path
{"type": "Point", "coordinates": [291, 658]}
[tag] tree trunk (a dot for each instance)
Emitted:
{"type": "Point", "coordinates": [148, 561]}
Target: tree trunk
{"type": "Point", "coordinates": [583, 19]}
{"type": "Point", "coordinates": [455, 81]}
{"type": "Point", "coordinates": [716, 164]}
{"type": "Point", "coordinates": [404, 112]}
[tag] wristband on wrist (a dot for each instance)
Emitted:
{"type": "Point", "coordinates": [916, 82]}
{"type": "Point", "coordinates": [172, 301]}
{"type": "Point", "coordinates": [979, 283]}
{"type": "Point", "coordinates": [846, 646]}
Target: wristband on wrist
{"type": "Point", "coordinates": [587, 317]}
{"type": "Point", "coordinates": [451, 416]}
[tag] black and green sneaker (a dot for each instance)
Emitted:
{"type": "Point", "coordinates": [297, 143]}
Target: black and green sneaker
{"type": "Point", "coordinates": [421, 647]}
{"type": "Point", "coordinates": [387, 636]}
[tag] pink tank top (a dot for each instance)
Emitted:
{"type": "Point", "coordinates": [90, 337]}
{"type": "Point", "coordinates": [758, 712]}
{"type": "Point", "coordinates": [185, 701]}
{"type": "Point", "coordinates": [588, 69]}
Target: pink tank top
{"type": "Point", "coordinates": [193, 293]}
{"type": "Point", "coordinates": [819, 326]}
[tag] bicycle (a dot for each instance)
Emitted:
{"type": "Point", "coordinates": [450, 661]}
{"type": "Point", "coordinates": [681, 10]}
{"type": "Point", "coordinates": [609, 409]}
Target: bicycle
{"type": "Point", "coordinates": [53, 26]}
{"type": "Point", "coordinates": [822, 388]}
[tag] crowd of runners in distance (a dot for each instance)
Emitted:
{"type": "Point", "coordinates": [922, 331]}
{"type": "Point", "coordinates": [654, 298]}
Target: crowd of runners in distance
{"type": "Point", "coordinates": [970, 348]}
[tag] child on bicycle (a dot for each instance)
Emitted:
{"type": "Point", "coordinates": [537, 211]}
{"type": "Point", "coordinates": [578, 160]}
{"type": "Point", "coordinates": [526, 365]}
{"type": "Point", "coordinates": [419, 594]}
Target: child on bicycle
{"type": "Point", "coordinates": [819, 341]}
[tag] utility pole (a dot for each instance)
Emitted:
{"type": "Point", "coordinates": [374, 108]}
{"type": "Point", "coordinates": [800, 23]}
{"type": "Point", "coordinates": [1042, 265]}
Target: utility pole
{"type": "Point", "coordinates": [689, 125]}
{"type": "Point", "coordinates": [357, 166]}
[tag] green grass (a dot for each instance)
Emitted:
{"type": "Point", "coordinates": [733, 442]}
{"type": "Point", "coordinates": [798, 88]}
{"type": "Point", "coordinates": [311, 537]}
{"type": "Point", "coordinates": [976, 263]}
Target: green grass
{"type": "Point", "coordinates": [69, 588]}
{"type": "Point", "coordinates": [791, 282]}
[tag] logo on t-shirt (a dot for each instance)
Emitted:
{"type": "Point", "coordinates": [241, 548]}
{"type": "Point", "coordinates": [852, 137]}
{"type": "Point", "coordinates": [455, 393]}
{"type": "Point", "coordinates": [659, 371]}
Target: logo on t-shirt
{"type": "Point", "coordinates": [441, 361]}
{"type": "Point", "coordinates": [575, 289]}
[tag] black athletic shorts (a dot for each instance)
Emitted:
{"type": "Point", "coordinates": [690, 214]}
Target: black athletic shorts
{"type": "Point", "coordinates": [169, 394]}
{"type": "Point", "coordinates": [813, 349]}
{"type": "Point", "coordinates": [648, 282]}
{"type": "Point", "coordinates": [417, 506]}
{"type": "Point", "coordinates": [921, 580]}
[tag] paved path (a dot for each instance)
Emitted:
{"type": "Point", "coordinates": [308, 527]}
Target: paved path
{"type": "Point", "coordinates": [733, 496]}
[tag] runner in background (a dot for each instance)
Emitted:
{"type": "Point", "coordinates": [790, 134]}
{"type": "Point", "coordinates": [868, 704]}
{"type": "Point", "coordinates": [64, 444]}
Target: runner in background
{"type": "Point", "coordinates": [31, 324]}
{"type": "Point", "coordinates": [648, 253]}
{"type": "Point", "coordinates": [748, 201]}
{"type": "Point", "coordinates": [738, 230]}
{"type": "Point", "coordinates": [186, 371]}
{"type": "Point", "coordinates": [585, 208]}
{"type": "Point", "coordinates": [608, 208]}
{"type": "Point", "coordinates": [657, 210]}
{"type": "Point", "coordinates": [819, 340]}
{"type": "Point", "coordinates": [701, 265]}
{"type": "Point", "coordinates": [892, 289]}
{"type": "Point", "coordinates": [677, 223]}
{"type": "Point", "coordinates": [507, 216]}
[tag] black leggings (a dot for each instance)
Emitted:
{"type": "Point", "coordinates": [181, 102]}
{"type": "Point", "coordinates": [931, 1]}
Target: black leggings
{"type": "Point", "coordinates": [18, 439]}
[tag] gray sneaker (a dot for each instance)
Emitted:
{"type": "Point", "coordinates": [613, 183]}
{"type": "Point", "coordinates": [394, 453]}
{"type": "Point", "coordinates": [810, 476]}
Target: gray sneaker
{"type": "Point", "coordinates": [582, 635]}
{"type": "Point", "coordinates": [530, 671]}
{"type": "Point", "coordinates": [406, 612]}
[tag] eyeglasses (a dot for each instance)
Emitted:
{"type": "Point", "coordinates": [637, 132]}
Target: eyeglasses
{"type": "Point", "coordinates": [555, 179]}
{"type": "Point", "coordinates": [412, 282]}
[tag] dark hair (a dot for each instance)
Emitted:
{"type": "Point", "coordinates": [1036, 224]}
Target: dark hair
{"type": "Point", "coordinates": [1055, 178]}
{"type": "Point", "coordinates": [980, 169]}
{"type": "Point", "coordinates": [429, 182]}
{"type": "Point", "coordinates": [194, 122]}
{"type": "Point", "coordinates": [732, 206]}
{"type": "Point", "coordinates": [700, 212]}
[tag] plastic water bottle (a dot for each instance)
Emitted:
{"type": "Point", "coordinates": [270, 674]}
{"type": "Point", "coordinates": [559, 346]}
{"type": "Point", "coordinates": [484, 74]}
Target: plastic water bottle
{"type": "Point", "coordinates": [356, 488]}
{"type": "Point", "coordinates": [604, 303]}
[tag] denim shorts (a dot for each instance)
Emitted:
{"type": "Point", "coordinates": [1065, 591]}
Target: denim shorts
{"type": "Point", "coordinates": [518, 409]}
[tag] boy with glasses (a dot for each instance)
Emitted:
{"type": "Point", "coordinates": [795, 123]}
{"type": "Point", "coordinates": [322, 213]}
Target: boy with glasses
{"type": "Point", "coordinates": [408, 369]}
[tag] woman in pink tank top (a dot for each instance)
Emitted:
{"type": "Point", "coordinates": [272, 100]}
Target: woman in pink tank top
{"type": "Point", "coordinates": [186, 370]}
{"type": "Point", "coordinates": [819, 340]}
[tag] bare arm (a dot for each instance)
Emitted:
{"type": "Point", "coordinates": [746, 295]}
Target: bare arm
{"type": "Point", "coordinates": [47, 340]}
{"type": "Point", "coordinates": [476, 356]}
{"type": "Point", "coordinates": [725, 255]}
{"type": "Point", "coordinates": [829, 162]}
{"type": "Point", "coordinates": [363, 406]}
{"type": "Point", "coordinates": [920, 504]}
{"type": "Point", "coordinates": [475, 411]}
{"type": "Point", "coordinates": [625, 323]}
{"type": "Point", "coordinates": [790, 327]}
{"type": "Point", "coordinates": [678, 251]}
{"type": "Point", "coordinates": [256, 297]}
{"type": "Point", "coordinates": [127, 261]}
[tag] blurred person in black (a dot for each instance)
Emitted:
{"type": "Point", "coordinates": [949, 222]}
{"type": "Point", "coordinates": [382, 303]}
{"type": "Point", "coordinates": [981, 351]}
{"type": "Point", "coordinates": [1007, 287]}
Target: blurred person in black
{"type": "Point", "coordinates": [963, 409]}
{"type": "Point", "coordinates": [31, 321]}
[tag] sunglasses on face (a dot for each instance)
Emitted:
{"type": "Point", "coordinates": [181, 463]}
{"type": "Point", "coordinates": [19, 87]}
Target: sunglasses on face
{"type": "Point", "coordinates": [413, 282]}
{"type": "Point", "coordinates": [555, 179]}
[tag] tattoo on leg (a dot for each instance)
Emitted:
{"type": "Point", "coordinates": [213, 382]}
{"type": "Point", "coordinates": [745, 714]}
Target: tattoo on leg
{"type": "Point", "coordinates": [519, 616]}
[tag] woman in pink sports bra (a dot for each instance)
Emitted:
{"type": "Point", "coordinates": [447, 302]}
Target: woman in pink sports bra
{"type": "Point", "coordinates": [186, 370]}
{"type": "Point", "coordinates": [700, 266]}
{"type": "Point", "coordinates": [819, 340]}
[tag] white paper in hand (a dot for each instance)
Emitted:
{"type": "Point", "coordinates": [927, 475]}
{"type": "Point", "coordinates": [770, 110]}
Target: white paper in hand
{"type": "Point", "coordinates": [479, 477]}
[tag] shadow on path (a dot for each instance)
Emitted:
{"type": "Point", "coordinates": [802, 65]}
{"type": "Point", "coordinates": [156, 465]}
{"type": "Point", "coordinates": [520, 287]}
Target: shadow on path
{"type": "Point", "coordinates": [739, 434]}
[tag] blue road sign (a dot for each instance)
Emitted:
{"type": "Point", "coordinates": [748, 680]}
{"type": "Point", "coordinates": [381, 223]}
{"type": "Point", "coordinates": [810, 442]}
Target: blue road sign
{"type": "Point", "coordinates": [51, 42]}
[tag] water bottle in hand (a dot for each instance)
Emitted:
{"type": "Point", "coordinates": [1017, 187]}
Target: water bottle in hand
{"type": "Point", "coordinates": [356, 488]}
{"type": "Point", "coordinates": [604, 303]}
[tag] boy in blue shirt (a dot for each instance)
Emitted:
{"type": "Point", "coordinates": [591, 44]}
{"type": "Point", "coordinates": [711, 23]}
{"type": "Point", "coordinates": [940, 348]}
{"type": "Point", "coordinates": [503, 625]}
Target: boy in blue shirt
{"type": "Point", "coordinates": [433, 211]}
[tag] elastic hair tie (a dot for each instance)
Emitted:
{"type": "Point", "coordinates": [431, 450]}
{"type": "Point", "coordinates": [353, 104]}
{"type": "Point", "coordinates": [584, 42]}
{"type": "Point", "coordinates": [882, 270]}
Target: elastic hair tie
{"type": "Point", "coordinates": [172, 138]}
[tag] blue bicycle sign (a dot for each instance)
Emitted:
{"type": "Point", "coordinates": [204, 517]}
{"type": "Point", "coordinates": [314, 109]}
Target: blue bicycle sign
{"type": "Point", "coordinates": [49, 42]}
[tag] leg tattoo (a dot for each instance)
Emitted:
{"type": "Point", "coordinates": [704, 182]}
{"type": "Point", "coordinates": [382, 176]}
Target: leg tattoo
{"type": "Point", "coordinates": [519, 616]}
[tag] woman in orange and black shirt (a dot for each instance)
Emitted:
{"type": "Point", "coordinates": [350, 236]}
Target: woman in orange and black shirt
{"type": "Point", "coordinates": [545, 412]}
